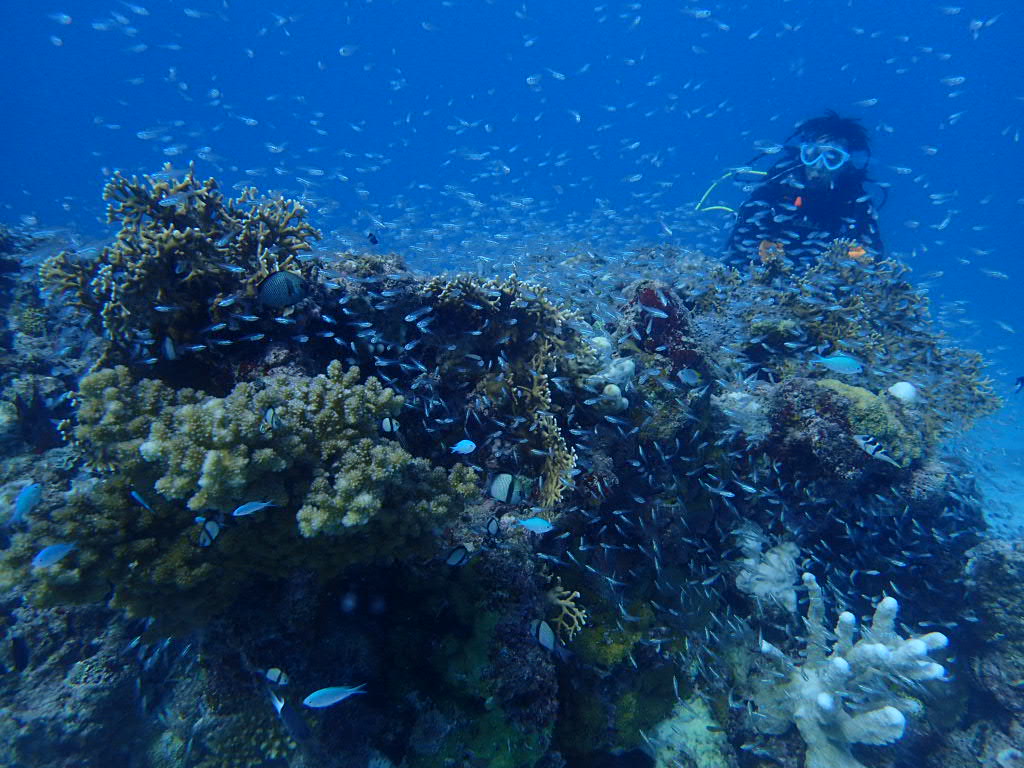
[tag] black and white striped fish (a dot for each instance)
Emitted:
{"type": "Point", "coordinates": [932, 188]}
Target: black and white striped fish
{"type": "Point", "coordinates": [874, 449]}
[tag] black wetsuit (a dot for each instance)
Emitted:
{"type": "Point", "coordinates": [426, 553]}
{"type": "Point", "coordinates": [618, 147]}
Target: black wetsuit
{"type": "Point", "coordinates": [803, 216]}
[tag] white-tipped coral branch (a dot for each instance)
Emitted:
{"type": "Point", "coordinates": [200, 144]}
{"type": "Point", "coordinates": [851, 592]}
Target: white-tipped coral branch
{"type": "Point", "coordinates": [846, 691]}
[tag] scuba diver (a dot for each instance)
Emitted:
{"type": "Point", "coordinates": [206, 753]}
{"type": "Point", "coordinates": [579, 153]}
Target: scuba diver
{"type": "Point", "coordinates": [811, 196]}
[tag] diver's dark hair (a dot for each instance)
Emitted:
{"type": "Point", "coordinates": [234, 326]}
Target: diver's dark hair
{"type": "Point", "coordinates": [846, 129]}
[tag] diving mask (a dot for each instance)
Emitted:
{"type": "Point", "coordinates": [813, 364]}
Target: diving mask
{"type": "Point", "coordinates": [820, 155]}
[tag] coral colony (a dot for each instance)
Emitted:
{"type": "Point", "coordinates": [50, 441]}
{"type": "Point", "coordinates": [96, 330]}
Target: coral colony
{"type": "Point", "coordinates": [540, 520]}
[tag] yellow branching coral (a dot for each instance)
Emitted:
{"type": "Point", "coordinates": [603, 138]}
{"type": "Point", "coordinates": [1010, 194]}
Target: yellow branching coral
{"type": "Point", "coordinates": [341, 492]}
{"type": "Point", "coordinates": [571, 617]}
{"type": "Point", "coordinates": [182, 248]}
{"type": "Point", "coordinates": [559, 463]}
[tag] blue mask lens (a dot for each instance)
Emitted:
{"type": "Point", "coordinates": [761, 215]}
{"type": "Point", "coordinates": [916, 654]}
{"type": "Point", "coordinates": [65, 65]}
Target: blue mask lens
{"type": "Point", "coordinates": [823, 156]}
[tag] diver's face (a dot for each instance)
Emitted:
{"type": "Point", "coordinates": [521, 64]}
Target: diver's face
{"type": "Point", "coordinates": [819, 176]}
{"type": "Point", "coordinates": [824, 161]}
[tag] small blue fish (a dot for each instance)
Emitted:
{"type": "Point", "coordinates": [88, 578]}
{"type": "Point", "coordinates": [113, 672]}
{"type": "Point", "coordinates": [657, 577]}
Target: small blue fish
{"type": "Point", "coordinates": [464, 447]}
{"type": "Point", "coordinates": [840, 362]}
{"type": "Point", "coordinates": [26, 501]}
{"type": "Point", "coordinates": [417, 314]}
{"type": "Point", "coordinates": [536, 525]}
{"type": "Point", "coordinates": [250, 507]}
{"type": "Point", "coordinates": [51, 555]}
{"type": "Point", "coordinates": [328, 697]}
{"type": "Point", "coordinates": [142, 501]}
{"type": "Point", "coordinates": [172, 201]}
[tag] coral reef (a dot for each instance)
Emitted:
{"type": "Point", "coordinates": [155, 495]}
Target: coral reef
{"type": "Point", "coordinates": [310, 446]}
{"type": "Point", "coordinates": [845, 692]}
{"type": "Point", "coordinates": [656, 408]}
{"type": "Point", "coordinates": [995, 575]}
{"type": "Point", "coordinates": [185, 258]}
{"type": "Point", "coordinates": [70, 702]}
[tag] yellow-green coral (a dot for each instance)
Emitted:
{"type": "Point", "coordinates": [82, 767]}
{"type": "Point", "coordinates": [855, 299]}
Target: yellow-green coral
{"type": "Point", "coordinates": [322, 463]}
{"type": "Point", "coordinates": [870, 414]}
{"type": "Point", "coordinates": [608, 641]}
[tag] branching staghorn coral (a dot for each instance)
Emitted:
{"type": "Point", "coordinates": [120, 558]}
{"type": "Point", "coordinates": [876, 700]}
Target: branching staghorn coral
{"type": "Point", "coordinates": [182, 249]}
{"type": "Point", "coordinates": [571, 616]}
{"type": "Point", "coordinates": [846, 691]}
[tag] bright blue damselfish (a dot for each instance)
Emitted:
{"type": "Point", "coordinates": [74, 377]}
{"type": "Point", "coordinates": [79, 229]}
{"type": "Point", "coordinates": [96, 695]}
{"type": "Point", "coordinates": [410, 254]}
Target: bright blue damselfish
{"type": "Point", "coordinates": [536, 524]}
{"type": "Point", "coordinates": [249, 507]}
{"type": "Point", "coordinates": [840, 362]}
{"type": "Point", "coordinates": [327, 697]}
{"type": "Point", "coordinates": [27, 499]}
{"type": "Point", "coordinates": [463, 447]}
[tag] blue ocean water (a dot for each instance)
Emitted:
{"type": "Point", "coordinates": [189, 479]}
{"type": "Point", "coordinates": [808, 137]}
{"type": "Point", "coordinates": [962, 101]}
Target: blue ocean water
{"type": "Point", "coordinates": [631, 107]}
{"type": "Point", "coordinates": [518, 127]}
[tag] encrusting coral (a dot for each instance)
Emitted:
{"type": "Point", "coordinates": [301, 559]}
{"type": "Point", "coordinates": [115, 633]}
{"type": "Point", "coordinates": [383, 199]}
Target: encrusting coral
{"type": "Point", "coordinates": [340, 492]}
{"type": "Point", "coordinates": [846, 692]}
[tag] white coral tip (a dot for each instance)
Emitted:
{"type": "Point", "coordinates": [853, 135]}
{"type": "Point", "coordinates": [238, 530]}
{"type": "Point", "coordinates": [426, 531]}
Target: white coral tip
{"type": "Point", "coordinates": [934, 640]}
{"type": "Point", "coordinates": [929, 671]}
{"type": "Point", "coordinates": [879, 726]}
{"type": "Point", "coordinates": [888, 605]}
{"type": "Point", "coordinates": [825, 701]}
{"type": "Point", "coordinates": [911, 649]}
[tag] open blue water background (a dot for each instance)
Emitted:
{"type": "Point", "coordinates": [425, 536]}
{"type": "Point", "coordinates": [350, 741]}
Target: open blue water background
{"type": "Point", "coordinates": [567, 122]}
